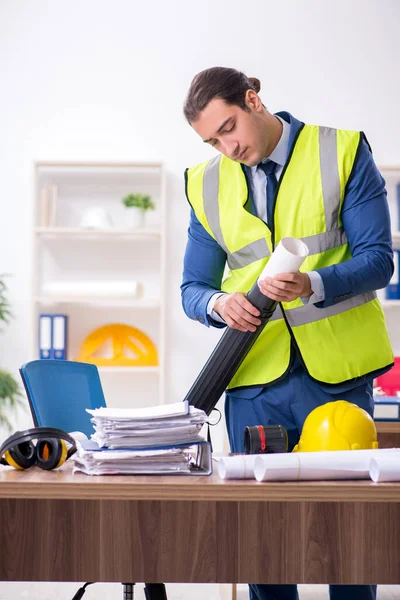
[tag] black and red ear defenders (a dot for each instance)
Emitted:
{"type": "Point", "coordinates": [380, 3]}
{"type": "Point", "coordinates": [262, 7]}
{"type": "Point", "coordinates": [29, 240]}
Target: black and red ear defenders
{"type": "Point", "coordinates": [49, 452]}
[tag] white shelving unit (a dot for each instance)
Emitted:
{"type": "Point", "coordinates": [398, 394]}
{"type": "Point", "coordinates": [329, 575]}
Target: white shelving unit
{"type": "Point", "coordinates": [391, 174]}
{"type": "Point", "coordinates": [114, 234]}
{"type": "Point", "coordinates": [396, 238]}
{"type": "Point", "coordinates": [111, 301]}
{"type": "Point", "coordinates": [129, 370]}
{"type": "Point", "coordinates": [64, 251]}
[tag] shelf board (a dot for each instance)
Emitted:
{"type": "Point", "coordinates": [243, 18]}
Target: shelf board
{"type": "Point", "coordinates": [396, 240]}
{"type": "Point", "coordinates": [390, 303]}
{"type": "Point", "coordinates": [88, 167]}
{"type": "Point", "coordinates": [390, 171]}
{"type": "Point", "coordinates": [128, 370]}
{"type": "Point", "coordinates": [142, 303]}
{"type": "Point", "coordinates": [114, 233]}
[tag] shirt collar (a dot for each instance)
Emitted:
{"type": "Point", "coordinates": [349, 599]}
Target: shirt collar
{"type": "Point", "coordinates": [280, 152]}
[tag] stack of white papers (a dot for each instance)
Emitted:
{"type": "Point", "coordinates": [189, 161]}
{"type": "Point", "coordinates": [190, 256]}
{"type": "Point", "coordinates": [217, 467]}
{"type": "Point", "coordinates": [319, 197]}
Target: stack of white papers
{"type": "Point", "coordinates": [133, 462]}
{"type": "Point", "coordinates": [152, 441]}
{"type": "Point", "coordinates": [150, 427]}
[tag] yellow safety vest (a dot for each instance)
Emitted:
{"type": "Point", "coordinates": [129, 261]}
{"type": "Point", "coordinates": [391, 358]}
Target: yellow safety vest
{"type": "Point", "coordinates": [338, 343]}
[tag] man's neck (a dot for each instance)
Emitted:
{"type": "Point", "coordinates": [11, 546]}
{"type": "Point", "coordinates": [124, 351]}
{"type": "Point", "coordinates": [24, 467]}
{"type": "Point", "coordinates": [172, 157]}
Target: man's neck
{"type": "Point", "coordinates": [275, 129]}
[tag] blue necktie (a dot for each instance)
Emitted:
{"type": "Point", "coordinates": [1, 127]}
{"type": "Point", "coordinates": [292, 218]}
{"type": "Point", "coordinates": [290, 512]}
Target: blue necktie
{"type": "Point", "coordinates": [272, 184]}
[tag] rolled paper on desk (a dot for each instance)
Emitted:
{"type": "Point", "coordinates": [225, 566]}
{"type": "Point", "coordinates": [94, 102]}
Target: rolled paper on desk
{"type": "Point", "coordinates": [78, 436]}
{"type": "Point", "coordinates": [318, 466]}
{"type": "Point", "coordinates": [385, 468]}
{"type": "Point", "coordinates": [237, 467]}
{"type": "Point", "coordinates": [234, 345]}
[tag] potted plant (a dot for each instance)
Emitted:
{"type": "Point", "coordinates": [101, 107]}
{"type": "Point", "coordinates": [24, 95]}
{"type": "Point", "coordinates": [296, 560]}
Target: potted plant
{"type": "Point", "coordinates": [137, 204]}
{"type": "Point", "coordinates": [10, 392]}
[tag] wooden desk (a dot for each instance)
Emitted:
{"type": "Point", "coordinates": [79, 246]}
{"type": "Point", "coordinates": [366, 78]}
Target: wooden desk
{"type": "Point", "coordinates": [56, 526]}
{"type": "Point", "coordinates": [388, 434]}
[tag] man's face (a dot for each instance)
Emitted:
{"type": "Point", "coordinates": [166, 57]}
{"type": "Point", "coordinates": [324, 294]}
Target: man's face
{"type": "Point", "coordinates": [240, 135]}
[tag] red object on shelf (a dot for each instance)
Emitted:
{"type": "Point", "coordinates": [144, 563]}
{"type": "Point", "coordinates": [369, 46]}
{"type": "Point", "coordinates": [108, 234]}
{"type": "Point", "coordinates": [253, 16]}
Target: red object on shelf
{"type": "Point", "coordinates": [390, 381]}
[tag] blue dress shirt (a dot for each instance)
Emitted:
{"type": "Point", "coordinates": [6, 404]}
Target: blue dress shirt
{"type": "Point", "coordinates": [366, 221]}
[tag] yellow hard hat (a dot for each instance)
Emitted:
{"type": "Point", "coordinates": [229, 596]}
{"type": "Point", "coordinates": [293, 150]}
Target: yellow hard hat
{"type": "Point", "coordinates": [339, 425]}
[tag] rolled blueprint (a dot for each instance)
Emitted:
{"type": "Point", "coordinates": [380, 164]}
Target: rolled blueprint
{"type": "Point", "coordinates": [237, 467]}
{"type": "Point", "coordinates": [385, 468]}
{"type": "Point", "coordinates": [78, 436]}
{"type": "Point", "coordinates": [234, 345]}
{"type": "Point", "coordinates": [287, 257]}
{"type": "Point", "coordinates": [314, 466]}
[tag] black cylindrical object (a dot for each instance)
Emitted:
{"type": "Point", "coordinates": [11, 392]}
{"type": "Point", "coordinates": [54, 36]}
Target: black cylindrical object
{"type": "Point", "coordinates": [265, 439]}
{"type": "Point", "coordinates": [227, 356]}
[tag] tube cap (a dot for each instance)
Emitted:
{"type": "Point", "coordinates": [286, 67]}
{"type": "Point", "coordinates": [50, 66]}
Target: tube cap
{"type": "Point", "coordinates": [265, 439]}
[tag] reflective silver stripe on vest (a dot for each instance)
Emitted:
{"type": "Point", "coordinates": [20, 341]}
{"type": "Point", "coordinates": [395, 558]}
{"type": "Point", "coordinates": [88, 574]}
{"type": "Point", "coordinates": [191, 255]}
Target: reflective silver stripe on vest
{"type": "Point", "coordinates": [325, 241]}
{"type": "Point", "coordinates": [277, 314]}
{"type": "Point", "coordinates": [302, 315]}
{"type": "Point", "coordinates": [329, 175]}
{"type": "Point", "coordinates": [210, 198]}
{"type": "Point", "coordinates": [246, 255]}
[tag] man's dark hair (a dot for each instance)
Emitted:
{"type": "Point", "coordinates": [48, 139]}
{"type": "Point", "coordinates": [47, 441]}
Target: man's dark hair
{"type": "Point", "coordinates": [219, 82]}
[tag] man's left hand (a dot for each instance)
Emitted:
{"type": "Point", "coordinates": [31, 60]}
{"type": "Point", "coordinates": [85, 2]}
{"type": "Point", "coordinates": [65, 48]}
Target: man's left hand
{"type": "Point", "coordinates": [286, 287]}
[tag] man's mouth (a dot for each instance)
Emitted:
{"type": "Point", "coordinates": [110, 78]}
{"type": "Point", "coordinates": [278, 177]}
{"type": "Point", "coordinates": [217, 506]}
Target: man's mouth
{"type": "Point", "coordinates": [242, 154]}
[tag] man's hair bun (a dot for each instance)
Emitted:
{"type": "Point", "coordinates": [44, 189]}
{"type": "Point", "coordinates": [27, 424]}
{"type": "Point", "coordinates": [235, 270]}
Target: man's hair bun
{"type": "Point", "coordinates": [256, 83]}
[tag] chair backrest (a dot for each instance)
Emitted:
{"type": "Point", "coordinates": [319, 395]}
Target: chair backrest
{"type": "Point", "coordinates": [59, 391]}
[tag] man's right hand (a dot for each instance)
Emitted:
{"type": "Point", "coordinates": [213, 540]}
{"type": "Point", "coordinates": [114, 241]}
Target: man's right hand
{"type": "Point", "coordinates": [237, 311]}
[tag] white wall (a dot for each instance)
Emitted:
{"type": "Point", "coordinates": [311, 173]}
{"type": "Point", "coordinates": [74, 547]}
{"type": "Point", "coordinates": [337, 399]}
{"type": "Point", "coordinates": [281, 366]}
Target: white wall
{"type": "Point", "coordinates": [106, 80]}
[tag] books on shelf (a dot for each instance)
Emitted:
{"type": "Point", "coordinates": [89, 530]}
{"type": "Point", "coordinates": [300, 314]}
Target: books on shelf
{"type": "Point", "coordinates": [48, 205]}
{"type": "Point", "coordinates": [157, 440]}
{"type": "Point", "coordinates": [392, 291]}
{"type": "Point", "coordinates": [53, 336]}
{"type": "Point", "coordinates": [398, 205]}
{"type": "Point", "coordinates": [386, 390]}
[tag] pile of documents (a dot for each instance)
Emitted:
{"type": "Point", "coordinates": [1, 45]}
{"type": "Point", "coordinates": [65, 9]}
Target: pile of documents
{"type": "Point", "coordinates": [156, 440]}
{"type": "Point", "coordinates": [176, 423]}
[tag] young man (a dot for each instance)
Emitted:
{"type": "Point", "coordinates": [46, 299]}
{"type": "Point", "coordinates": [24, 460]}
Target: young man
{"type": "Point", "coordinates": [273, 177]}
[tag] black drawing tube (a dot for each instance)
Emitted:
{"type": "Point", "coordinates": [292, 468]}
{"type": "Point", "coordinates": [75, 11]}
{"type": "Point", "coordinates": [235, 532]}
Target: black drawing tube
{"type": "Point", "coordinates": [227, 356]}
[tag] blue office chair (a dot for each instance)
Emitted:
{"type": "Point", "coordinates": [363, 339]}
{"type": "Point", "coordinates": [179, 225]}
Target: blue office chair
{"type": "Point", "coordinates": [59, 391]}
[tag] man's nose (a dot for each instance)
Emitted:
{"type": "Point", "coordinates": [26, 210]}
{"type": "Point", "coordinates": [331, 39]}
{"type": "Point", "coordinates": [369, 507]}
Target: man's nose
{"type": "Point", "coordinates": [230, 148]}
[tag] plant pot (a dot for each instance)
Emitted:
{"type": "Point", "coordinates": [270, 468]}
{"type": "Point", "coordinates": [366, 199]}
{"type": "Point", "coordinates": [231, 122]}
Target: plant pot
{"type": "Point", "coordinates": [135, 217]}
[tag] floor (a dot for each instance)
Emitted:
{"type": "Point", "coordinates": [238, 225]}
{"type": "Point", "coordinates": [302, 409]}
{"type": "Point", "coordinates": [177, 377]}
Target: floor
{"type": "Point", "coordinates": [111, 591]}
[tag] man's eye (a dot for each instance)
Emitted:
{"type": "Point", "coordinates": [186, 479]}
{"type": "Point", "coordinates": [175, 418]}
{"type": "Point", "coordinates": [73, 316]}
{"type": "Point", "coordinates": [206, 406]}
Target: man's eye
{"type": "Point", "coordinates": [231, 129]}
{"type": "Point", "coordinates": [214, 144]}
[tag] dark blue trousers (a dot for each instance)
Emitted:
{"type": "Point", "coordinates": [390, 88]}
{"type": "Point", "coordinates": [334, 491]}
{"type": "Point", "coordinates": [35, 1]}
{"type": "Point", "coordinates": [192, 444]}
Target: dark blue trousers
{"type": "Point", "coordinates": [288, 403]}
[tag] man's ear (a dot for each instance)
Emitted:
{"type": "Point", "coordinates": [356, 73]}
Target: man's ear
{"type": "Point", "coordinates": [253, 101]}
